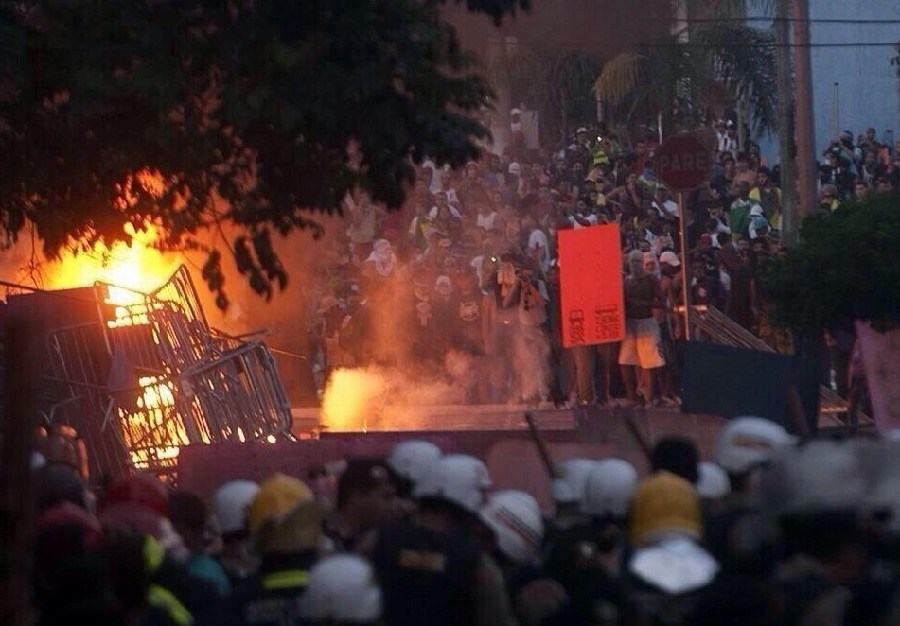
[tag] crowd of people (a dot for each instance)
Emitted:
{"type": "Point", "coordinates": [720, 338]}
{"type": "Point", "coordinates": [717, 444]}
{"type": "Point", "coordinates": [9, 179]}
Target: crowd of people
{"type": "Point", "coordinates": [468, 266]}
{"type": "Point", "coordinates": [771, 532]}
{"type": "Point", "coordinates": [852, 170]}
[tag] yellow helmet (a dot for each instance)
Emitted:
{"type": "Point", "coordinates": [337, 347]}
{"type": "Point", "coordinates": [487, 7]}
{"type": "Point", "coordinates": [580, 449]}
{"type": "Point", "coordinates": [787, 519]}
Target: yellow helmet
{"type": "Point", "coordinates": [284, 515]}
{"type": "Point", "coordinates": [664, 503]}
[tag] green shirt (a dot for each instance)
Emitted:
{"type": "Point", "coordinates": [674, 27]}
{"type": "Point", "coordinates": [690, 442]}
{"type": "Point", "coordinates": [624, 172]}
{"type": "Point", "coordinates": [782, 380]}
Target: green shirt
{"type": "Point", "coordinates": [739, 216]}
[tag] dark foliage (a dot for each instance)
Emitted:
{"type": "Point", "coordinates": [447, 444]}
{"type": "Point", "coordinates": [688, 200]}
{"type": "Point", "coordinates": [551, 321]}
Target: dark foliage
{"type": "Point", "coordinates": [196, 114]}
{"type": "Point", "coordinates": [844, 268]}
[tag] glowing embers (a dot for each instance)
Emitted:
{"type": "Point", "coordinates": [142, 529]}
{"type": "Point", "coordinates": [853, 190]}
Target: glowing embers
{"type": "Point", "coordinates": [129, 307]}
{"type": "Point", "coordinates": [153, 428]}
{"type": "Point", "coordinates": [132, 315]}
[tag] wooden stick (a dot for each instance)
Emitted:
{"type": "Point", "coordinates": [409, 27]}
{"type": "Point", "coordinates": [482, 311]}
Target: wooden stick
{"type": "Point", "coordinates": [634, 431]}
{"type": "Point", "coordinates": [552, 470]}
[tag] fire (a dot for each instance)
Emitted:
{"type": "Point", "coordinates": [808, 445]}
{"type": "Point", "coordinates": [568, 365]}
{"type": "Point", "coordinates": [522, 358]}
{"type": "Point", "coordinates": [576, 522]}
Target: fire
{"type": "Point", "coordinates": [384, 398]}
{"type": "Point", "coordinates": [130, 272]}
{"type": "Point", "coordinates": [351, 399]}
{"type": "Point", "coordinates": [153, 413]}
{"type": "Point", "coordinates": [128, 269]}
{"type": "Point", "coordinates": [156, 395]}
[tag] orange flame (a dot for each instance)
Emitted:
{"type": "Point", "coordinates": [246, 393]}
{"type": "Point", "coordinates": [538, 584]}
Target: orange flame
{"type": "Point", "coordinates": [130, 272]}
{"type": "Point", "coordinates": [152, 412]}
{"type": "Point", "coordinates": [139, 267]}
{"type": "Point", "coordinates": [350, 399]}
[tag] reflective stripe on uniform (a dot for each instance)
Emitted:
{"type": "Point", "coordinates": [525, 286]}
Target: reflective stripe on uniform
{"type": "Point", "coordinates": [154, 553]}
{"type": "Point", "coordinates": [164, 599]}
{"type": "Point", "coordinates": [286, 579]}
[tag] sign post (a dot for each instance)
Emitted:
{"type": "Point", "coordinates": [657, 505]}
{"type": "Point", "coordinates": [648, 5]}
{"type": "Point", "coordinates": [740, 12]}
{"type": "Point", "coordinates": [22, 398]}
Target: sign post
{"type": "Point", "coordinates": [683, 163]}
{"type": "Point", "coordinates": [685, 271]}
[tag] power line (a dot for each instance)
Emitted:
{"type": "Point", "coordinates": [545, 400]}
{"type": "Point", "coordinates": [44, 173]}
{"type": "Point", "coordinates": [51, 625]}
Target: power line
{"type": "Point", "coordinates": [733, 20]}
{"type": "Point", "coordinates": [856, 44]}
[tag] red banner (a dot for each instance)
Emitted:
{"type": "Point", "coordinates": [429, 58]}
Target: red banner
{"type": "Point", "coordinates": [590, 277]}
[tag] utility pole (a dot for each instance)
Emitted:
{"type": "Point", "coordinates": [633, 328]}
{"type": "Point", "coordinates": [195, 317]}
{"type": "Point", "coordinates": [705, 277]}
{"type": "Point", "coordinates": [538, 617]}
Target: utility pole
{"type": "Point", "coordinates": [789, 219]}
{"type": "Point", "coordinates": [806, 127]}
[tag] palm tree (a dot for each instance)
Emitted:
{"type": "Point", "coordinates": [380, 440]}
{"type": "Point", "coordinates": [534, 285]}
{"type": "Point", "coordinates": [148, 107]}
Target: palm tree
{"type": "Point", "coordinates": [556, 84]}
{"type": "Point", "coordinates": [681, 77]}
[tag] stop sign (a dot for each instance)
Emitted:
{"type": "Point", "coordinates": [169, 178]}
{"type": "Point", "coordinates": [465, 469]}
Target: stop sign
{"type": "Point", "coordinates": [684, 162]}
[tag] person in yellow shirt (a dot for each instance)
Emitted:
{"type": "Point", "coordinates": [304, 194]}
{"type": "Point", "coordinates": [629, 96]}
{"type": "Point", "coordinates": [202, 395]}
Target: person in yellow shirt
{"type": "Point", "coordinates": [769, 198]}
{"type": "Point", "coordinates": [828, 199]}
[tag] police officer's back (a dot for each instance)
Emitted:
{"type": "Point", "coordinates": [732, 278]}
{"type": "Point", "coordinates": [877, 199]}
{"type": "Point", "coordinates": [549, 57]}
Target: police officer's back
{"type": "Point", "coordinates": [285, 522]}
{"type": "Point", "coordinates": [432, 569]}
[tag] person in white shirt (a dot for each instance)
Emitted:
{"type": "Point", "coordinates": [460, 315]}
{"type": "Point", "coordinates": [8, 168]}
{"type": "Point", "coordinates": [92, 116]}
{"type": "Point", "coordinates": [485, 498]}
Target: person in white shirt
{"type": "Point", "coordinates": [580, 220]}
{"type": "Point", "coordinates": [447, 188]}
{"type": "Point", "coordinates": [714, 226]}
{"type": "Point", "coordinates": [487, 217]}
{"type": "Point", "coordinates": [441, 202]}
{"type": "Point", "coordinates": [724, 141]}
{"type": "Point", "coordinates": [663, 203]}
{"type": "Point", "coordinates": [725, 279]}
{"type": "Point", "coordinates": [581, 216]}
{"type": "Point", "coordinates": [515, 120]}
{"type": "Point", "coordinates": [538, 244]}
{"type": "Point", "coordinates": [435, 183]}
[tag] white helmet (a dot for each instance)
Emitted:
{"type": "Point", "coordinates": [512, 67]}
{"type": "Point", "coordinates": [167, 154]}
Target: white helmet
{"type": "Point", "coordinates": [411, 459]}
{"type": "Point", "coordinates": [608, 488]}
{"type": "Point", "coordinates": [341, 588]}
{"type": "Point", "coordinates": [570, 488]}
{"type": "Point", "coordinates": [457, 478]}
{"type": "Point", "coordinates": [819, 476]}
{"type": "Point", "coordinates": [880, 463]}
{"type": "Point", "coordinates": [748, 441]}
{"type": "Point", "coordinates": [886, 497]}
{"type": "Point", "coordinates": [231, 502]}
{"type": "Point", "coordinates": [36, 461]}
{"type": "Point", "coordinates": [515, 518]}
{"type": "Point", "coordinates": [712, 481]}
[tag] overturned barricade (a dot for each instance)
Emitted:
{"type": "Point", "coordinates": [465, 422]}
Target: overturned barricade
{"type": "Point", "coordinates": [139, 375]}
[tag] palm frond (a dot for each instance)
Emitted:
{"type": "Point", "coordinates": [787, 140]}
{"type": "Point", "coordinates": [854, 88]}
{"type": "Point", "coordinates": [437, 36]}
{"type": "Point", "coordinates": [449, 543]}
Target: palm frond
{"type": "Point", "coordinates": [557, 84]}
{"type": "Point", "coordinates": [722, 8]}
{"type": "Point", "coordinates": [620, 75]}
{"type": "Point", "coordinates": [730, 8]}
{"type": "Point", "coordinates": [766, 7]}
{"type": "Point", "coordinates": [744, 61]}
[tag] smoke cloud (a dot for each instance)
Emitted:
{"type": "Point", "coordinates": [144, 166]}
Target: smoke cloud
{"type": "Point", "coordinates": [390, 398]}
{"type": "Point", "coordinates": [400, 348]}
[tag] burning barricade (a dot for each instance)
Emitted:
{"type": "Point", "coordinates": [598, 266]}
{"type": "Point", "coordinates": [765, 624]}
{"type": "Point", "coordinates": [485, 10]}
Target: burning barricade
{"type": "Point", "coordinates": [139, 375]}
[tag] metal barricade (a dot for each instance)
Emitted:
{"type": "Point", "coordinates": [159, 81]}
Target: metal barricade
{"type": "Point", "coordinates": [150, 376]}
